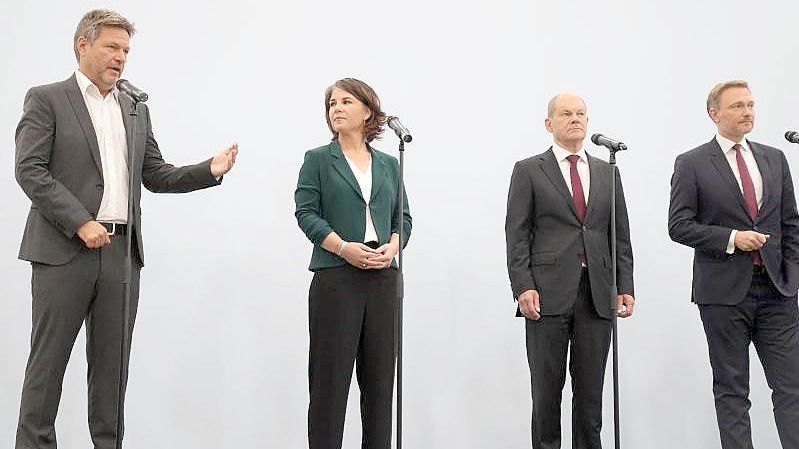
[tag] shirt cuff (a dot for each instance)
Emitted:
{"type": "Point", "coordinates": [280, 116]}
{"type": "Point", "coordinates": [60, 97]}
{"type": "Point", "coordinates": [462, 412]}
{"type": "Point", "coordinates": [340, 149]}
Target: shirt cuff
{"type": "Point", "coordinates": [731, 243]}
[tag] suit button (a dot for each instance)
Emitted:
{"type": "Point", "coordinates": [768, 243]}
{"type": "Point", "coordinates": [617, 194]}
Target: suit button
{"type": "Point", "coordinates": [585, 228]}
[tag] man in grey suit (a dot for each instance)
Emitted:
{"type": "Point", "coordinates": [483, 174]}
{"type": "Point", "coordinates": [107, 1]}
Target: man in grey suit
{"type": "Point", "coordinates": [558, 232]}
{"type": "Point", "coordinates": [72, 146]}
{"type": "Point", "coordinates": [732, 200]}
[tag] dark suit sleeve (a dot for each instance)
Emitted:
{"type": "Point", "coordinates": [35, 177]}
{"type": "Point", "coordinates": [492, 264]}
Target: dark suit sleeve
{"type": "Point", "coordinates": [308, 201]}
{"type": "Point", "coordinates": [518, 230]}
{"type": "Point", "coordinates": [406, 213]}
{"type": "Point", "coordinates": [161, 177]}
{"type": "Point", "coordinates": [684, 227]}
{"type": "Point", "coordinates": [790, 227]}
{"type": "Point", "coordinates": [34, 147]}
{"type": "Point", "coordinates": [624, 249]}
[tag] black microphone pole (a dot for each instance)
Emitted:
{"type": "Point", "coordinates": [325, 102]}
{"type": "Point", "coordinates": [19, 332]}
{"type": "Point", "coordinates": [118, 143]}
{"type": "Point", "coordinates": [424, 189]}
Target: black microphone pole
{"type": "Point", "coordinates": [614, 292]}
{"type": "Point", "coordinates": [404, 136]}
{"type": "Point", "coordinates": [613, 146]}
{"type": "Point", "coordinates": [400, 289]}
{"type": "Point", "coordinates": [127, 272]}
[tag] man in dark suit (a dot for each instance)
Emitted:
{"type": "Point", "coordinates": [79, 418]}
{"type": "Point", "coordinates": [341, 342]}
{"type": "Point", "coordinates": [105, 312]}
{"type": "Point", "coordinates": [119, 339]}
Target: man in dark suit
{"type": "Point", "coordinates": [732, 200]}
{"type": "Point", "coordinates": [558, 232]}
{"type": "Point", "coordinates": [72, 154]}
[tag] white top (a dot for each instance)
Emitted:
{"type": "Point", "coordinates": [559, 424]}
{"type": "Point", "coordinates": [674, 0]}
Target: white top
{"type": "Point", "coordinates": [364, 179]}
{"type": "Point", "coordinates": [106, 116]}
{"type": "Point", "coordinates": [565, 168]}
{"type": "Point", "coordinates": [754, 173]}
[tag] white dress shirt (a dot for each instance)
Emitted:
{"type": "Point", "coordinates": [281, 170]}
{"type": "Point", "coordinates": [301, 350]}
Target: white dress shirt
{"type": "Point", "coordinates": [754, 173]}
{"type": "Point", "coordinates": [364, 179]}
{"type": "Point", "coordinates": [106, 116]}
{"type": "Point", "coordinates": [561, 155]}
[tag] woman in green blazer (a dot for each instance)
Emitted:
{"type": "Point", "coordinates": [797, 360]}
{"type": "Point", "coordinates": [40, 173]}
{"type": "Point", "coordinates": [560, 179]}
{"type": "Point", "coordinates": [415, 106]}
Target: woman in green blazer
{"type": "Point", "coordinates": [346, 202]}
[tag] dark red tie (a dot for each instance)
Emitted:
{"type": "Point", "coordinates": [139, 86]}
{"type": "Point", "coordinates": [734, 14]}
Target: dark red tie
{"type": "Point", "coordinates": [749, 194]}
{"type": "Point", "coordinates": [578, 196]}
{"type": "Point", "coordinates": [577, 187]}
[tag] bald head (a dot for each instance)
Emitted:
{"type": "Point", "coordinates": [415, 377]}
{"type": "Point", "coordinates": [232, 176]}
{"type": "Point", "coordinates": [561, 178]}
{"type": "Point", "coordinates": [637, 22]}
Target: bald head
{"type": "Point", "coordinates": [565, 97]}
{"type": "Point", "coordinates": [567, 121]}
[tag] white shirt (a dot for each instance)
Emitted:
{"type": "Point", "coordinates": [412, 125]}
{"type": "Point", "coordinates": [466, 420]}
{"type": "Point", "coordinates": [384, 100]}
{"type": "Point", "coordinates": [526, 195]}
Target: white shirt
{"type": "Point", "coordinates": [754, 173]}
{"type": "Point", "coordinates": [106, 116]}
{"type": "Point", "coordinates": [364, 179]}
{"type": "Point", "coordinates": [561, 155]}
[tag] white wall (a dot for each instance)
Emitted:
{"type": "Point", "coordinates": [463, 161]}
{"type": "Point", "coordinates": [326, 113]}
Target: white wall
{"type": "Point", "coordinates": [220, 348]}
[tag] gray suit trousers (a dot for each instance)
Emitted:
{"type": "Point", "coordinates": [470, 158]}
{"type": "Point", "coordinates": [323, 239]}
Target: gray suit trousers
{"type": "Point", "coordinates": [87, 288]}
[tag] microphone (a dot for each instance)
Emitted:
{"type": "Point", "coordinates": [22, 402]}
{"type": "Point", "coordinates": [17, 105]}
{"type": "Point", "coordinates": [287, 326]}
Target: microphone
{"type": "Point", "coordinates": [399, 128]}
{"type": "Point", "coordinates": [611, 144]}
{"type": "Point", "coordinates": [138, 95]}
{"type": "Point", "coordinates": [792, 136]}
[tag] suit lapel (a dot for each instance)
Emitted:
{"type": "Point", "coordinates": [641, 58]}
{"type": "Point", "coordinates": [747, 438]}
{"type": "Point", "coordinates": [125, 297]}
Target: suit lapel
{"type": "Point", "coordinates": [765, 171]}
{"type": "Point", "coordinates": [596, 182]}
{"type": "Point", "coordinates": [125, 104]}
{"type": "Point", "coordinates": [549, 165]}
{"type": "Point", "coordinates": [78, 104]}
{"type": "Point", "coordinates": [379, 173]}
{"type": "Point", "coordinates": [720, 162]}
{"type": "Point", "coordinates": [343, 168]}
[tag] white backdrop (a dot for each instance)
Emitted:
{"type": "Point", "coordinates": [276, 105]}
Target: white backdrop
{"type": "Point", "coordinates": [220, 347]}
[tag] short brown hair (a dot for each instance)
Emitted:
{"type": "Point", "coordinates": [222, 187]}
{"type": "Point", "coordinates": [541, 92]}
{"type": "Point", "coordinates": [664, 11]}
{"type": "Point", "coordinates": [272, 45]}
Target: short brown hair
{"type": "Point", "coordinates": [94, 21]}
{"type": "Point", "coordinates": [715, 94]}
{"type": "Point", "coordinates": [366, 95]}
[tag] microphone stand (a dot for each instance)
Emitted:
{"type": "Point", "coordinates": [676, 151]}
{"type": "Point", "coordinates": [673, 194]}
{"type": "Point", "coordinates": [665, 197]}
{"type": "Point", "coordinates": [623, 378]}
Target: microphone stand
{"type": "Point", "coordinates": [400, 289]}
{"type": "Point", "coordinates": [126, 280]}
{"type": "Point", "coordinates": [614, 292]}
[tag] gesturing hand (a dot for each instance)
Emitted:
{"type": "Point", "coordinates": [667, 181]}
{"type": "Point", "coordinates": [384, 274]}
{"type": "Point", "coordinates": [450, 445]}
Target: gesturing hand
{"type": "Point", "coordinates": [750, 240]}
{"type": "Point", "coordinates": [223, 161]}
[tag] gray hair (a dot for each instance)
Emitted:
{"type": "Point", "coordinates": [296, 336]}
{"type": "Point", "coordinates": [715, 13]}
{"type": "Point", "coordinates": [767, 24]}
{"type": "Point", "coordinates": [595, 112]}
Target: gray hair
{"type": "Point", "coordinates": [94, 21]}
{"type": "Point", "coordinates": [554, 100]}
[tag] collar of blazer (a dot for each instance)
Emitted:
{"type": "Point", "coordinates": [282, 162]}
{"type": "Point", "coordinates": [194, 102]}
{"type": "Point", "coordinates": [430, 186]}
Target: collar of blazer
{"type": "Point", "coordinates": [549, 165]}
{"type": "Point", "coordinates": [380, 171]}
{"type": "Point", "coordinates": [719, 161]}
{"type": "Point", "coordinates": [75, 98]}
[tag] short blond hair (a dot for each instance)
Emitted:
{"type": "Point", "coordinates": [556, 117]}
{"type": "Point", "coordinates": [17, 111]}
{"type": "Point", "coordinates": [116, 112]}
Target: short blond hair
{"type": "Point", "coordinates": [93, 21]}
{"type": "Point", "coordinates": [715, 94]}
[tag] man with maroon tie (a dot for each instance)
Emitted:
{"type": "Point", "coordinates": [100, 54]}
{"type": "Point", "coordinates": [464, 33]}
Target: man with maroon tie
{"type": "Point", "coordinates": [557, 229]}
{"type": "Point", "coordinates": [732, 200]}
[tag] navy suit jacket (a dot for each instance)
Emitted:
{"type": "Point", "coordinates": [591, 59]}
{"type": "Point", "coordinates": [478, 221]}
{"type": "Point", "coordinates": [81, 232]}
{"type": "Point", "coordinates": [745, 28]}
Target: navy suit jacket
{"type": "Point", "coordinates": [707, 204]}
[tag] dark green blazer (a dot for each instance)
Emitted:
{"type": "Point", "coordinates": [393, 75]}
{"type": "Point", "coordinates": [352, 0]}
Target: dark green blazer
{"type": "Point", "coordinates": [329, 199]}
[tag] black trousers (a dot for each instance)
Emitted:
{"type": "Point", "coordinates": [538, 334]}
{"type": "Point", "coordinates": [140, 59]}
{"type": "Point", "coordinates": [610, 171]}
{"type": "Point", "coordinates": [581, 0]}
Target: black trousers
{"type": "Point", "coordinates": [548, 342]}
{"type": "Point", "coordinates": [351, 320]}
{"type": "Point", "coordinates": [769, 320]}
{"type": "Point", "coordinates": [88, 288]}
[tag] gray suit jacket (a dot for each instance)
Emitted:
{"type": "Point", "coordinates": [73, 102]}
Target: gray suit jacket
{"type": "Point", "coordinates": [707, 204]}
{"type": "Point", "coordinates": [544, 236]}
{"type": "Point", "coordinates": [58, 167]}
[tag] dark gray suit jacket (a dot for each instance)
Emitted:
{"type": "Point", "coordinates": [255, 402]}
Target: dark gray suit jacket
{"type": "Point", "coordinates": [545, 238]}
{"type": "Point", "coordinates": [58, 166]}
{"type": "Point", "coordinates": [707, 204]}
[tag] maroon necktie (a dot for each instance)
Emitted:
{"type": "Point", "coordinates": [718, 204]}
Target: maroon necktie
{"type": "Point", "coordinates": [577, 187]}
{"type": "Point", "coordinates": [749, 194]}
{"type": "Point", "coordinates": [578, 196]}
